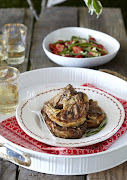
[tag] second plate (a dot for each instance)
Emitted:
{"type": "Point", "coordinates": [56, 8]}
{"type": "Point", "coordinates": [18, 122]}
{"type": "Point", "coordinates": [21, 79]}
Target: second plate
{"type": "Point", "coordinates": [29, 122]}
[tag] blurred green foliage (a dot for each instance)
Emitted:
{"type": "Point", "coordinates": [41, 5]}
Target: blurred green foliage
{"type": "Point", "coordinates": [122, 4]}
{"type": "Point", "coordinates": [13, 3]}
{"type": "Point", "coordinates": [37, 5]}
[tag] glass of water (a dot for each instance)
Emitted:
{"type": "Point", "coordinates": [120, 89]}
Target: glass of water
{"type": "Point", "coordinates": [16, 35]}
{"type": "Point", "coordinates": [9, 89]}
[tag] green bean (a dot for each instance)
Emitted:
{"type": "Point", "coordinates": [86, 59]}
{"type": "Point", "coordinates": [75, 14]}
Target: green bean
{"type": "Point", "coordinates": [74, 54]}
{"type": "Point", "coordinates": [94, 42]}
{"type": "Point", "coordinates": [101, 50]}
{"type": "Point", "coordinates": [86, 47]}
{"type": "Point", "coordinates": [79, 38]}
{"type": "Point", "coordinates": [80, 44]}
{"type": "Point", "coordinates": [60, 42]}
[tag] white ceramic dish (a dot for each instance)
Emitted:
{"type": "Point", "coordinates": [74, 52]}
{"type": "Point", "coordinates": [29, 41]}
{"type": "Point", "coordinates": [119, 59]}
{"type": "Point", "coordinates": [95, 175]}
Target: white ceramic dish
{"type": "Point", "coordinates": [111, 44]}
{"type": "Point", "coordinates": [29, 122]}
{"type": "Point", "coordinates": [77, 164]}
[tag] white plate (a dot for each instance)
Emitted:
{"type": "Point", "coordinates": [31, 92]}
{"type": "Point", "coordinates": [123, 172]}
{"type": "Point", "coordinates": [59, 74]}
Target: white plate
{"type": "Point", "coordinates": [111, 44]}
{"type": "Point", "coordinates": [30, 123]}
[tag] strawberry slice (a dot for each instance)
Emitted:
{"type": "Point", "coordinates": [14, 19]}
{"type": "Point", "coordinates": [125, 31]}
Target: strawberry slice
{"type": "Point", "coordinates": [76, 49]}
{"type": "Point", "coordinates": [55, 51]}
{"type": "Point", "coordinates": [106, 52]}
{"type": "Point", "coordinates": [67, 55]}
{"type": "Point", "coordinates": [91, 53]}
{"type": "Point", "coordinates": [98, 45]}
{"type": "Point", "coordinates": [78, 56]}
{"type": "Point", "coordinates": [52, 46]}
{"type": "Point", "coordinates": [60, 47]}
{"type": "Point", "coordinates": [101, 47]}
{"type": "Point", "coordinates": [93, 39]}
{"type": "Point", "coordinates": [68, 43]}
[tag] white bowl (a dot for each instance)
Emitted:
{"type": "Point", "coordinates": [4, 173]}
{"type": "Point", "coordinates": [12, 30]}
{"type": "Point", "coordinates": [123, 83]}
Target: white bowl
{"type": "Point", "coordinates": [111, 45]}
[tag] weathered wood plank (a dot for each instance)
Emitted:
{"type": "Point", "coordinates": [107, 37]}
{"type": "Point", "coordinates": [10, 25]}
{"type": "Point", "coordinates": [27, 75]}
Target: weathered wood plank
{"type": "Point", "coordinates": [31, 175]}
{"type": "Point", "coordinates": [50, 19]}
{"type": "Point", "coordinates": [23, 16]}
{"type": "Point", "coordinates": [7, 170]}
{"type": "Point", "coordinates": [119, 172]}
{"type": "Point", "coordinates": [11, 15]}
{"type": "Point", "coordinates": [110, 22]}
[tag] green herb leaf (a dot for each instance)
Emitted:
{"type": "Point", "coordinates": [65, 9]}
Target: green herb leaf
{"type": "Point", "coordinates": [89, 3]}
{"type": "Point", "coordinates": [94, 6]}
{"type": "Point", "coordinates": [103, 123]}
{"type": "Point", "coordinates": [97, 7]}
{"type": "Point", "coordinates": [96, 130]}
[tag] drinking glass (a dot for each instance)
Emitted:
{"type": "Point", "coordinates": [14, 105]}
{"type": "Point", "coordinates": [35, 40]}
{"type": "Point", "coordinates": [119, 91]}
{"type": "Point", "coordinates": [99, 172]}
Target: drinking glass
{"type": "Point", "coordinates": [9, 89]}
{"type": "Point", "coordinates": [3, 48]}
{"type": "Point", "coordinates": [16, 35]}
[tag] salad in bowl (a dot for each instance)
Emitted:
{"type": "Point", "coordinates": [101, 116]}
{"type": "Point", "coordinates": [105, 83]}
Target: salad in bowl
{"type": "Point", "coordinates": [80, 47]}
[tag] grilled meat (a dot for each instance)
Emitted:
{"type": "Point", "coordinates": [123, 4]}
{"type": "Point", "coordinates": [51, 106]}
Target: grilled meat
{"type": "Point", "coordinates": [69, 113]}
{"type": "Point", "coordinates": [65, 132]}
{"type": "Point", "coordinates": [73, 112]}
{"type": "Point", "coordinates": [95, 114]}
{"type": "Point", "coordinates": [65, 93]}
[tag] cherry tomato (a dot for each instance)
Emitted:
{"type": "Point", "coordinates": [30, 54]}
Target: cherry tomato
{"type": "Point", "coordinates": [76, 49]}
{"type": "Point", "coordinates": [60, 47]}
{"type": "Point", "coordinates": [78, 56]}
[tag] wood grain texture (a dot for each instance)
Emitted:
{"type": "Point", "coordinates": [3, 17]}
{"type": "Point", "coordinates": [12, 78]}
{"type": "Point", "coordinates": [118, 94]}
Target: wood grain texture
{"type": "Point", "coordinates": [23, 16]}
{"type": "Point", "coordinates": [31, 175]}
{"type": "Point", "coordinates": [11, 15]}
{"type": "Point", "coordinates": [50, 20]}
{"type": "Point", "coordinates": [110, 22]}
{"type": "Point", "coordinates": [7, 170]}
{"type": "Point", "coordinates": [119, 172]}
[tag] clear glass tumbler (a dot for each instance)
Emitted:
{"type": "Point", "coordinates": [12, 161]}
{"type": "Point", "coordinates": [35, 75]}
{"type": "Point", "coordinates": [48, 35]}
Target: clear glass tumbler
{"type": "Point", "coordinates": [9, 89]}
{"type": "Point", "coordinates": [16, 35]}
{"type": "Point", "coordinates": [3, 48]}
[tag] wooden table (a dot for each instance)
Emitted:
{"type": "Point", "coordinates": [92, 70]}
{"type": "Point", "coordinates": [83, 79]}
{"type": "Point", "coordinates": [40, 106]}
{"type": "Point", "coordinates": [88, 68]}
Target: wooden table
{"type": "Point", "coordinates": [110, 22]}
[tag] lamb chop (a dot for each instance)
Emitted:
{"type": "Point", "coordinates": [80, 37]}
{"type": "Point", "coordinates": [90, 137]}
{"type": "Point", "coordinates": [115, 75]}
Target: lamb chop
{"type": "Point", "coordinates": [95, 114]}
{"type": "Point", "coordinates": [65, 93]}
{"type": "Point", "coordinates": [69, 113]}
{"type": "Point", "coordinates": [65, 132]}
{"type": "Point", "coordinates": [73, 112]}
